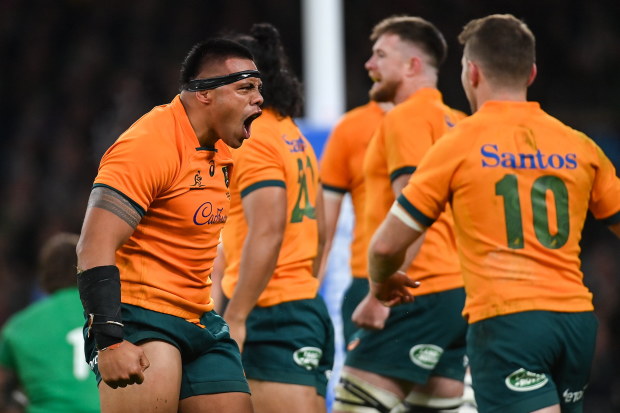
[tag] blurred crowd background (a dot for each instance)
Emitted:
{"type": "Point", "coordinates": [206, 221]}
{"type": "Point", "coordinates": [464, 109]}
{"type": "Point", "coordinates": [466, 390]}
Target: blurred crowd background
{"type": "Point", "coordinates": [74, 74]}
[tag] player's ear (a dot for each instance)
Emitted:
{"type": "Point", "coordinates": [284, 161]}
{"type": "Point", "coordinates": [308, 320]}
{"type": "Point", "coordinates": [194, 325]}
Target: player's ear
{"type": "Point", "coordinates": [204, 96]}
{"type": "Point", "coordinates": [415, 66]}
{"type": "Point", "coordinates": [473, 73]}
{"type": "Point", "coordinates": [533, 74]}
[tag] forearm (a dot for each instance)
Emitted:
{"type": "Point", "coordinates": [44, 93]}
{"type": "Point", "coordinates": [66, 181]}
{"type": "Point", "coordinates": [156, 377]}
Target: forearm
{"type": "Point", "coordinates": [397, 185]}
{"type": "Point", "coordinates": [106, 228]}
{"type": "Point", "coordinates": [412, 252]}
{"type": "Point", "coordinates": [219, 265]}
{"type": "Point", "coordinates": [389, 246]}
{"type": "Point", "coordinates": [382, 266]}
{"type": "Point", "coordinates": [332, 202]}
{"type": "Point", "coordinates": [258, 263]}
{"type": "Point", "coordinates": [319, 261]}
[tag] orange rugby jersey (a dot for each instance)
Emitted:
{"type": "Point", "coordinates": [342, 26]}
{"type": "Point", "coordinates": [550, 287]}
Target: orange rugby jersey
{"type": "Point", "coordinates": [342, 171]}
{"type": "Point", "coordinates": [276, 155]}
{"type": "Point", "coordinates": [404, 136]}
{"type": "Point", "coordinates": [181, 191]}
{"type": "Point", "coordinates": [520, 184]}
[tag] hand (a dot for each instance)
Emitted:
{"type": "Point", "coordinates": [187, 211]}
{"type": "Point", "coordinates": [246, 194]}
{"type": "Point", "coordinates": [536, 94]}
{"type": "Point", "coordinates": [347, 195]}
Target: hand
{"type": "Point", "coordinates": [370, 313]}
{"type": "Point", "coordinates": [123, 365]}
{"type": "Point", "coordinates": [237, 330]}
{"type": "Point", "coordinates": [394, 290]}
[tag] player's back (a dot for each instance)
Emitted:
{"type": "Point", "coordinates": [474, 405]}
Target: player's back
{"type": "Point", "coordinates": [522, 183]}
{"type": "Point", "coordinates": [342, 170]}
{"type": "Point", "coordinates": [276, 155]}
{"type": "Point", "coordinates": [405, 135]}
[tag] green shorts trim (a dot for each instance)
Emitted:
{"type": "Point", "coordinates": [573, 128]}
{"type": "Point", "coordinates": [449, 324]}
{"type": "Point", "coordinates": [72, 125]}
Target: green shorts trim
{"type": "Point", "coordinates": [358, 289]}
{"type": "Point", "coordinates": [531, 360]}
{"type": "Point", "coordinates": [291, 342]}
{"type": "Point", "coordinates": [420, 339]}
{"type": "Point", "coordinates": [211, 359]}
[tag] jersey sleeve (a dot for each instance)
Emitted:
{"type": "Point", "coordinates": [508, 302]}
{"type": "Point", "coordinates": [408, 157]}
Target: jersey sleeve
{"type": "Point", "coordinates": [605, 199]}
{"type": "Point", "coordinates": [334, 171]}
{"type": "Point", "coordinates": [406, 142]}
{"type": "Point", "coordinates": [258, 164]}
{"type": "Point", "coordinates": [428, 191]}
{"type": "Point", "coordinates": [139, 167]}
{"type": "Point", "coordinates": [7, 359]}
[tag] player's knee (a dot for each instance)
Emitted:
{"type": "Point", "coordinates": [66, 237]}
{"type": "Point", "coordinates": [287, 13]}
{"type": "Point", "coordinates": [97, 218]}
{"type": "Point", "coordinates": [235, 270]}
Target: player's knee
{"type": "Point", "coordinates": [356, 395]}
{"type": "Point", "coordinates": [422, 403]}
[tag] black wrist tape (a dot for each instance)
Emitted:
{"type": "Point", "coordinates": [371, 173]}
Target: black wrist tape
{"type": "Point", "coordinates": [100, 292]}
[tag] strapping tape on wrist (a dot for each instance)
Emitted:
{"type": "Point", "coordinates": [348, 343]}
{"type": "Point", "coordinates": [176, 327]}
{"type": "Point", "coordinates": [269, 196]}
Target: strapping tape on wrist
{"type": "Point", "coordinates": [100, 292]}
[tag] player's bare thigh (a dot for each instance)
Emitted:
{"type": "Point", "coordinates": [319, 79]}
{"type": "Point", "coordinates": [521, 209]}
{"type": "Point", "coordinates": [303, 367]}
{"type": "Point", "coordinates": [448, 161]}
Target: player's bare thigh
{"type": "Point", "coordinates": [551, 409]}
{"type": "Point", "coordinates": [160, 389]}
{"type": "Point", "coordinates": [234, 402]}
{"type": "Point", "coordinates": [400, 388]}
{"type": "Point", "coordinates": [271, 397]}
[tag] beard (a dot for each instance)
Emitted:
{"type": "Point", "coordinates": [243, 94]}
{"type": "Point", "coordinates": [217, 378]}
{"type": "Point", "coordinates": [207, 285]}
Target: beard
{"type": "Point", "coordinates": [384, 92]}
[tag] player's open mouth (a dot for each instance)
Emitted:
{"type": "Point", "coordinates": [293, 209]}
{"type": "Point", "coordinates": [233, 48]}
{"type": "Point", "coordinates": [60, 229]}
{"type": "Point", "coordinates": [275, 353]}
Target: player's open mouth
{"type": "Point", "coordinates": [248, 123]}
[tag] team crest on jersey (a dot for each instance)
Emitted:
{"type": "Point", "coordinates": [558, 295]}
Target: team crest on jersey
{"type": "Point", "coordinates": [197, 182]}
{"type": "Point", "coordinates": [308, 357]}
{"type": "Point", "coordinates": [425, 355]}
{"type": "Point", "coordinates": [226, 177]}
{"type": "Point", "coordinates": [523, 380]}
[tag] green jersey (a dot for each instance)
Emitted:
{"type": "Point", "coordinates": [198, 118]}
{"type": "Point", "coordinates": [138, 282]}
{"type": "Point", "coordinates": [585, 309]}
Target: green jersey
{"type": "Point", "coordinates": [43, 345]}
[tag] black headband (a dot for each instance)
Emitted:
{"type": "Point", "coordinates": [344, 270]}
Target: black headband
{"type": "Point", "coordinates": [215, 82]}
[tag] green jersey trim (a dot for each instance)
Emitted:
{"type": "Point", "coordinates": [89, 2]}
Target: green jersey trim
{"type": "Point", "coordinates": [134, 204]}
{"type": "Point", "coordinates": [335, 189]}
{"type": "Point", "coordinates": [263, 184]}
{"type": "Point", "coordinates": [414, 212]}
{"type": "Point", "coordinates": [405, 170]}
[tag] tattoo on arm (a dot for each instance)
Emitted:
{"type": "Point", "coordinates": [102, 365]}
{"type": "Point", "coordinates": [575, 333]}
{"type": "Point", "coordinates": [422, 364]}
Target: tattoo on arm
{"type": "Point", "coordinates": [114, 202]}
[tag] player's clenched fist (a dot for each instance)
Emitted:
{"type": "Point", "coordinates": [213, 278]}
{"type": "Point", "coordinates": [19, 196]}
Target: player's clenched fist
{"type": "Point", "coordinates": [122, 365]}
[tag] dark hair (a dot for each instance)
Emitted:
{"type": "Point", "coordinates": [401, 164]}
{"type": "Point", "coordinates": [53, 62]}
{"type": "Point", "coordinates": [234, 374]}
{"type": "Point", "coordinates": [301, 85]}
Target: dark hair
{"type": "Point", "coordinates": [416, 30]}
{"type": "Point", "coordinates": [282, 90]}
{"type": "Point", "coordinates": [503, 46]}
{"type": "Point", "coordinates": [208, 52]}
{"type": "Point", "coordinates": [58, 262]}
